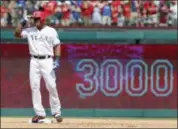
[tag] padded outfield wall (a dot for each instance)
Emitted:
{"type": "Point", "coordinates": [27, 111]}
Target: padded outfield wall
{"type": "Point", "coordinates": [97, 80]}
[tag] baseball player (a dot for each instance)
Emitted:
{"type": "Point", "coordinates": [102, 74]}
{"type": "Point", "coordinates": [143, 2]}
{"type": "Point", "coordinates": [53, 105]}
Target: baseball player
{"type": "Point", "coordinates": [44, 44]}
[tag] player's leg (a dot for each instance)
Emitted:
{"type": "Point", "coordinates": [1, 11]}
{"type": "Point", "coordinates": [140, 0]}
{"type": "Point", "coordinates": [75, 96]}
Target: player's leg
{"type": "Point", "coordinates": [50, 80]}
{"type": "Point", "coordinates": [35, 77]}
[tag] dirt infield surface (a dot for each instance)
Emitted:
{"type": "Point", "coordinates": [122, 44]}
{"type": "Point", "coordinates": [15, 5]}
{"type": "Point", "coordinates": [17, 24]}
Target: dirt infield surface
{"type": "Point", "coordinates": [10, 122]}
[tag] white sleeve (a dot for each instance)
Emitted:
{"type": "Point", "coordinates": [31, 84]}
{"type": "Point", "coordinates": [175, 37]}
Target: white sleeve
{"type": "Point", "coordinates": [24, 33]}
{"type": "Point", "coordinates": [56, 40]}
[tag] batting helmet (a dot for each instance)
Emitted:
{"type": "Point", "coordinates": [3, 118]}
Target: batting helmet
{"type": "Point", "coordinates": [40, 15]}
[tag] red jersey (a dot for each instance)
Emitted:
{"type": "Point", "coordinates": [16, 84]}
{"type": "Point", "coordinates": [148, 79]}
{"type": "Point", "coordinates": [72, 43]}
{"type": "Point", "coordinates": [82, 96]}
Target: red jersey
{"type": "Point", "coordinates": [127, 10]}
{"type": "Point", "coordinates": [152, 9]}
{"type": "Point", "coordinates": [115, 5]}
{"type": "Point", "coordinates": [50, 8]}
{"type": "Point", "coordinates": [87, 10]}
{"type": "Point", "coordinates": [65, 12]}
{"type": "Point", "coordinates": [164, 11]}
{"type": "Point", "coordinates": [3, 10]}
{"type": "Point", "coordinates": [146, 5]}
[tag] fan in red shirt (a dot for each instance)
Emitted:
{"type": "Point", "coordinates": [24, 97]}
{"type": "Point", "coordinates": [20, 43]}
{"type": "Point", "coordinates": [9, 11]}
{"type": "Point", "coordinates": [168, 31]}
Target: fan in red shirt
{"type": "Point", "coordinates": [152, 11]}
{"type": "Point", "coordinates": [142, 14]}
{"type": "Point", "coordinates": [164, 11]}
{"type": "Point", "coordinates": [87, 11]}
{"type": "Point", "coordinates": [66, 13]}
{"type": "Point", "coordinates": [50, 8]}
{"type": "Point", "coordinates": [127, 12]}
{"type": "Point", "coordinates": [3, 15]}
{"type": "Point", "coordinates": [3, 11]}
{"type": "Point", "coordinates": [115, 11]}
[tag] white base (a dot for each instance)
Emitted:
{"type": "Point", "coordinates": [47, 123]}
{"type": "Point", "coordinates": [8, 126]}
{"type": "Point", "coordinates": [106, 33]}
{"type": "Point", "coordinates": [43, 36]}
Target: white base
{"type": "Point", "coordinates": [43, 121]}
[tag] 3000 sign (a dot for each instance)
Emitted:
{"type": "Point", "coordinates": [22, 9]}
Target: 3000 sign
{"type": "Point", "coordinates": [97, 77]}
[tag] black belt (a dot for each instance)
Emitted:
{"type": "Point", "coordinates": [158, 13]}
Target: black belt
{"type": "Point", "coordinates": [42, 57]}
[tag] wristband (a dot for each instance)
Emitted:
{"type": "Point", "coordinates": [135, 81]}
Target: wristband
{"type": "Point", "coordinates": [23, 23]}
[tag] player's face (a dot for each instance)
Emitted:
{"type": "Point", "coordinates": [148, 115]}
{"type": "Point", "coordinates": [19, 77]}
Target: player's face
{"type": "Point", "coordinates": [38, 23]}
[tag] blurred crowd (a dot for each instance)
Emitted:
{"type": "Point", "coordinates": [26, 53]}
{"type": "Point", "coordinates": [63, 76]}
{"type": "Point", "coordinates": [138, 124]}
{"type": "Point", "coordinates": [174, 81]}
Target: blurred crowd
{"type": "Point", "coordinates": [139, 13]}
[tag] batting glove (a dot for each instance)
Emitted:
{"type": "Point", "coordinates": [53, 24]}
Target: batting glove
{"type": "Point", "coordinates": [56, 64]}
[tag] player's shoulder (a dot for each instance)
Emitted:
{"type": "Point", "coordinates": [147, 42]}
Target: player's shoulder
{"type": "Point", "coordinates": [51, 29]}
{"type": "Point", "coordinates": [29, 29]}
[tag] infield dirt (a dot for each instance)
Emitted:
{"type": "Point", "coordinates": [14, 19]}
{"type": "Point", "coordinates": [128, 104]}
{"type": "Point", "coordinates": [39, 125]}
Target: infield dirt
{"type": "Point", "coordinates": [16, 122]}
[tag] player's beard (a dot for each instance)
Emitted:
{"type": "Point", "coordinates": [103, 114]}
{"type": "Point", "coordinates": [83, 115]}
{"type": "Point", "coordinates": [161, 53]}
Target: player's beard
{"type": "Point", "coordinates": [39, 25]}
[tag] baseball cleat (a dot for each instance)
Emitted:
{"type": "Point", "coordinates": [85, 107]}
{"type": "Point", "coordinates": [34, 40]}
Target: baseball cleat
{"type": "Point", "coordinates": [58, 118]}
{"type": "Point", "coordinates": [38, 119]}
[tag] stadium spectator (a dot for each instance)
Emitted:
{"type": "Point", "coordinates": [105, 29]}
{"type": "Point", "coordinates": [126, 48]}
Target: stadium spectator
{"type": "Point", "coordinates": [50, 8]}
{"type": "Point", "coordinates": [152, 11]}
{"type": "Point", "coordinates": [21, 3]}
{"type": "Point", "coordinates": [4, 16]}
{"type": "Point", "coordinates": [126, 7]}
{"type": "Point", "coordinates": [29, 8]}
{"type": "Point", "coordinates": [121, 18]}
{"type": "Point", "coordinates": [66, 13]}
{"type": "Point", "coordinates": [96, 16]}
{"type": "Point", "coordinates": [106, 13]}
{"type": "Point", "coordinates": [173, 13]}
{"type": "Point", "coordinates": [142, 18]}
{"type": "Point", "coordinates": [134, 13]}
{"type": "Point", "coordinates": [57, 13]}
{"type": "Point", "coordinates": [115, 6]}
{"type": "Point", "coordinates": [89, 12]}
{"type": "Point", "coordinates": [163, 12]}
{"type": "Point", "coordinates": [76, 13]}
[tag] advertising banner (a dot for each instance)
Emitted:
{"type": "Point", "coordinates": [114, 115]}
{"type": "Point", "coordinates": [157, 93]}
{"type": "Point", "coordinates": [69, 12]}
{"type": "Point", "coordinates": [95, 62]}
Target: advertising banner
{"type": "Point", "coordinates": [97, 76]}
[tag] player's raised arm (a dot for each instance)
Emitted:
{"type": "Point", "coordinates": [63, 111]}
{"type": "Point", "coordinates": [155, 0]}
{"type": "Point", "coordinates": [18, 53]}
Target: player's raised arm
{"type": "Point", "coordinates": [19, 30]}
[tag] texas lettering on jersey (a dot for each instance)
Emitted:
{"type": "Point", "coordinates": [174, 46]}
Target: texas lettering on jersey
{"type": "Point", "coordinates": [42, 38]}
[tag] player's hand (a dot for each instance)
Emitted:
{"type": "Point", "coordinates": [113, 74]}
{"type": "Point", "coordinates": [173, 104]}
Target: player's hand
{"type": "Point", "coordinates": [56, 64]}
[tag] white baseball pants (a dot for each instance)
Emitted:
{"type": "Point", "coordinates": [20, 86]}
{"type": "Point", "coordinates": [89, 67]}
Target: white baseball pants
{"type": "Point", "coordinates": [43, 68]}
